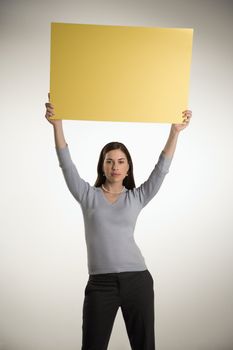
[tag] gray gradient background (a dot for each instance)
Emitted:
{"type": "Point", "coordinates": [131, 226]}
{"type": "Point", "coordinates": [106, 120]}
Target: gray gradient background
{"type": "Point", "coordinates": [185, 234]}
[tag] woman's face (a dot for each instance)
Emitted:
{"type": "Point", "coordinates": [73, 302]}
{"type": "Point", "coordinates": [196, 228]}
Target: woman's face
{"type": "Point", "coordinates": [115, 166]}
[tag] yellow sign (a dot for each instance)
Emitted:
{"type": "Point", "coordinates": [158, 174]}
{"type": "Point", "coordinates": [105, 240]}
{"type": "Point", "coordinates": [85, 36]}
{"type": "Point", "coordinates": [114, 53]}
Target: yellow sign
{"type": "Point", "coordinates": [120, 73]}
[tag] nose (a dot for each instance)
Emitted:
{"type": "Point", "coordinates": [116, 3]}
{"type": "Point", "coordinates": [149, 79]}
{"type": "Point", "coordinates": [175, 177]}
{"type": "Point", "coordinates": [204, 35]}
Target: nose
{"type": "Point", "coordinates": [114, 167]}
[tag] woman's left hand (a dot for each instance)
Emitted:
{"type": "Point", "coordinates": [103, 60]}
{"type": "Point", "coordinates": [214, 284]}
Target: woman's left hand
{"type": "Point", "coordinates": [187, 115]}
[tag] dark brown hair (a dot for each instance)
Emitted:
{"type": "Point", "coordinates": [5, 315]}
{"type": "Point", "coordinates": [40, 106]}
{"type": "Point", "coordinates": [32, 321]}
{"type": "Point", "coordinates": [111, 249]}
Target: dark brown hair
{"type": "Point", "coordinates": [128, 181]}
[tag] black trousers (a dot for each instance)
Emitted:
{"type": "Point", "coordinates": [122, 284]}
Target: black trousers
{"type": "Point", "coordinates": [104, 294]}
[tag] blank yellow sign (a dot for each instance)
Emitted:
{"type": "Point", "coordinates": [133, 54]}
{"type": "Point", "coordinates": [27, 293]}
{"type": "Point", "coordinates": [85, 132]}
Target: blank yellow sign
{"type": "Point", "coordinates": [119, 73]}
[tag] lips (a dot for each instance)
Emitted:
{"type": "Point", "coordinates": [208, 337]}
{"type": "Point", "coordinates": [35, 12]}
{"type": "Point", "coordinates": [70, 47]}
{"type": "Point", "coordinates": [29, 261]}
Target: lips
{"type": "Point", "coordinates": [115, 174]}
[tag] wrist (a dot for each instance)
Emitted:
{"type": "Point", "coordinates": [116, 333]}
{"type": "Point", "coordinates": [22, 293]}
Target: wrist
{"type": "Point", "coordinates": [174, 131]}
{"type": "Point", "coordinates": [57, 125]}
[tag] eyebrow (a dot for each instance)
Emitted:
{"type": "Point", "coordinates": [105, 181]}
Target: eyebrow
{"type": "Point", "coordinates": [118, 158]}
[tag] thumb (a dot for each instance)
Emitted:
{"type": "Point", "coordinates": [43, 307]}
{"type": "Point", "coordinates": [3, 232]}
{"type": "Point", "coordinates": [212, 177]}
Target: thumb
{"type": "Point", "coordinates": [49, 96]}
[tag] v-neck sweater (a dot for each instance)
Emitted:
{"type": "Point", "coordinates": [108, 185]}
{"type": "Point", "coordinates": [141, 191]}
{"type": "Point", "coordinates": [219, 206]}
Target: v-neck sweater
{"type": "Point", "coordinates": [109, 227]}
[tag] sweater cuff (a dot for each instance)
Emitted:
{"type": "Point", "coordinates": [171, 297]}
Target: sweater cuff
{"type": "Point", "coordinates": [164, 162]}
{"type": "Point", "coordinates": [63, 155]}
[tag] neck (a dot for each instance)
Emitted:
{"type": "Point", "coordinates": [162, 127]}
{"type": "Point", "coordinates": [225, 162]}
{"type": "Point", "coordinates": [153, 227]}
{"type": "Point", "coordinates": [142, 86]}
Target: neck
{"type": "Point", "coordinates": [113, 188]}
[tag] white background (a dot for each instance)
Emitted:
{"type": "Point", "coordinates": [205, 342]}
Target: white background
{"type": "Point", "coordinates": [185, 233]}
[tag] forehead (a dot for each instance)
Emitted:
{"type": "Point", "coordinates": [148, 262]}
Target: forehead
{"type": "Point", "coordinates": [115, 154]}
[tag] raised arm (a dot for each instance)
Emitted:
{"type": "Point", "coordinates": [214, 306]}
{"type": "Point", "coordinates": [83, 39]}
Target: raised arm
{"type": "Point", "coordinates": [170, 146]}
{"type": "Point", "coordinates": [59, 137]}
{"type": "Point", "coordinates": [77, 186]}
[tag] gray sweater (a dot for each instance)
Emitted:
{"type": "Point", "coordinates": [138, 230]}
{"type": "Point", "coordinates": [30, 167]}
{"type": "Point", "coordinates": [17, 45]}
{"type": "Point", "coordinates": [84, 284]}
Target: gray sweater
{"type": "Point", "coordinates": [109, 227]}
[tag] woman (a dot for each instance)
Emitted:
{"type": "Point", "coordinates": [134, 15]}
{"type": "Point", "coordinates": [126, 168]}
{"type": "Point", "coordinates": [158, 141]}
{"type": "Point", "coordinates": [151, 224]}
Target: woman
{"type": "Point", "coordinates": [118, 275]}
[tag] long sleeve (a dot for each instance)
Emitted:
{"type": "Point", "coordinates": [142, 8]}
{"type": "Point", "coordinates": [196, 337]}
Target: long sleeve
{"type": "Point", "coordinates": [77, 186]}
{"type": "Point", "coordinates": [109, 227]}
{"type": "Point", "coordinates": [150, 187]}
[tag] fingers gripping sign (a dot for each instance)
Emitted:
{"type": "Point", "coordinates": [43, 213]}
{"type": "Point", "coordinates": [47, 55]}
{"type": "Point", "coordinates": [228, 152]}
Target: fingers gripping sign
{"type": "Point", "coordinates": [186, 116]}
{"type": "Point", "coordinates": [50, 112]}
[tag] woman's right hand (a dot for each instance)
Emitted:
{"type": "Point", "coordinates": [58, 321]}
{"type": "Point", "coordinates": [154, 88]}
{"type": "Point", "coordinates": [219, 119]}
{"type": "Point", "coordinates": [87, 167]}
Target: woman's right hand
{"type": "Point", "coordinates": [50, 113]}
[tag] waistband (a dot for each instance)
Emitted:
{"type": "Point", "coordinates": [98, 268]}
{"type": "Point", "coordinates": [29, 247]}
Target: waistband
{"type": "Point", "coordinates": [114, 275]}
